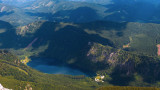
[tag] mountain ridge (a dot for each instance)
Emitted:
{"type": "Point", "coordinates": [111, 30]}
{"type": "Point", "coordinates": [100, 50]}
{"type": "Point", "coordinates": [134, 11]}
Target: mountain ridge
{"type": "Point", "coordinates": [113, 42]}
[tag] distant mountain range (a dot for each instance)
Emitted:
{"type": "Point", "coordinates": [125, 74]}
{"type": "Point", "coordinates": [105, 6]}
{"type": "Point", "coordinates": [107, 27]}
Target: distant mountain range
{"type": "Point", "coordinates": [118, 39]}
{"type": "Point", "coordinates": [103, 2]}
{"type": "Point", "coordinates": [25, 12]}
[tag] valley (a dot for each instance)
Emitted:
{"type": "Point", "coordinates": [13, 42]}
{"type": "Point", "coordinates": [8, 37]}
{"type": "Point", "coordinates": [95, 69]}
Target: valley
{"type": "Point", "coordinates": [79, 44]}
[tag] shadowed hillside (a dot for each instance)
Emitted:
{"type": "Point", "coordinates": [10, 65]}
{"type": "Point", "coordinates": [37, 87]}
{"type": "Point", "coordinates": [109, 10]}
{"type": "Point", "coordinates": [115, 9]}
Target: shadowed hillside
{"type": "Point", "coordinates": [69, 43]}
{"type": "Point", "coordinates": [133, 11]}
{"type": "Point", "coordinates": [112, 43]}
{"type": "Point", "coordinates": [8, 37]}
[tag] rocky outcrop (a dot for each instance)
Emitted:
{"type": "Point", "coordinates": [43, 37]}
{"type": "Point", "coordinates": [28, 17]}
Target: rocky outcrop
{"type": "Point", "coordinates": [100, 53]}
{"type": "Point", "coordinates": [28, 87]}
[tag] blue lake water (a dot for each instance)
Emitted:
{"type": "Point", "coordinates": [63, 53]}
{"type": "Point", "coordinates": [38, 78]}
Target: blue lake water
{"type": "Point", "coordinates": [40, 65]}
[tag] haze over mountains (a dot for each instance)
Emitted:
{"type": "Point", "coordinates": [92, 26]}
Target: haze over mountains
{"type": "Point", "coordinates": [114, 42]}
{"type": "Point", "coordinates": [86, 10]}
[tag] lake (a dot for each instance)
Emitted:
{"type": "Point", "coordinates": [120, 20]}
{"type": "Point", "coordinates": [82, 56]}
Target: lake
{"type": "Point", "coordinates": [40, 65]}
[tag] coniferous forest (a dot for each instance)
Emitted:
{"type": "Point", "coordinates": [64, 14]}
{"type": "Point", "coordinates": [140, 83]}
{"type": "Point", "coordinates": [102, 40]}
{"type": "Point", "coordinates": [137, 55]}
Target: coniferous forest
{"type": "Point", "coordinates": [80, 44]}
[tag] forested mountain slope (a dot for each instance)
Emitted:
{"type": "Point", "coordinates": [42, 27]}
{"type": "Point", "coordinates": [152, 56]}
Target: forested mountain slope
{"type": "Point", "coordinates": [117, 50]}
{"type": "Point", "coordinates": [115, 43]}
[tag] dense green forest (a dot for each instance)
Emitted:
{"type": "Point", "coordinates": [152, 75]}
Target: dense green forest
{"type": "Point", "coordinates": [115, 44]}
{"type": "Point", "coordinates": [127, 88]}
{"type": "Point", "coordinates": [96, 48]}
{"type": "Point", "coordinates": [120, 69]}
{"type": "Point", "coordinates": [124, 53]}
{"type": "Point", "coordinates": [16, 75]}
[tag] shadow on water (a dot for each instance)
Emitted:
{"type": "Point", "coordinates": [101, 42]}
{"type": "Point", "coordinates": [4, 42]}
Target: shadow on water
{"type": "Point", "coordinates": [70, 44]}
{"type": "Point", "coordinates": [39, 64]}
